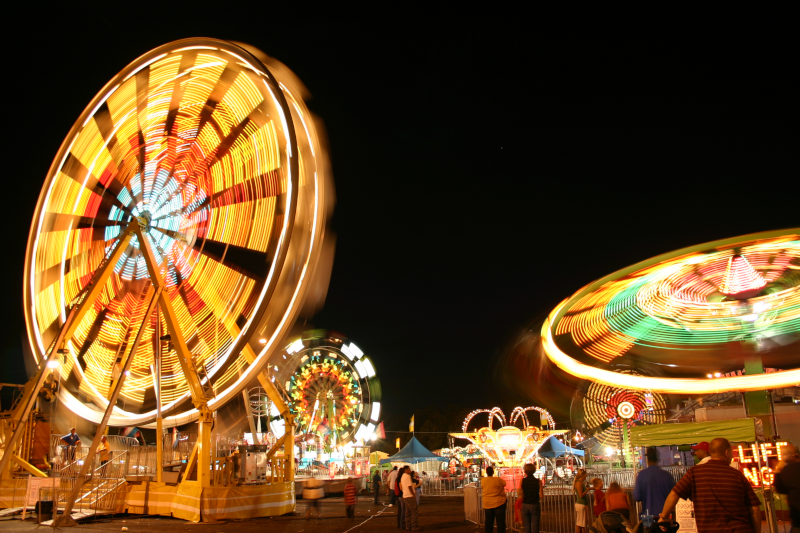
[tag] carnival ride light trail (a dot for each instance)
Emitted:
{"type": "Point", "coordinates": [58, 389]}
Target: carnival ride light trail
{"type": "Point", "coordinates": [221, 161]}
{"type": "Point", "coordinates": [190, 198]}
{"type": "Point", "coordinates": [713, 304]}
{"type": "Point", "coordinates": [619, 409]}
{"type": "Point", "coordinates": [333, 390]}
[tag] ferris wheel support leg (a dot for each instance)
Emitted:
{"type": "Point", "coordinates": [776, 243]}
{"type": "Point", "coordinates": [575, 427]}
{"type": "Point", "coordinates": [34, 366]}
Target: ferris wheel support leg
{"type": "Point", "coordinates": [73, 320]}
{"type": "Point", "coordinates": [274, 395]}
{"type": "Point", "coordinates": [288, 447]}
{"type": "Point", "coordinates": [206, 418]}
{"type": "Point", "coordinates": [66, 518]}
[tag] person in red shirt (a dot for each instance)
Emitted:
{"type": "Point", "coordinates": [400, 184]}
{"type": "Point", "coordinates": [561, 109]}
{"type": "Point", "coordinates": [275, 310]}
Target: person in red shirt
{"type": "Point", "coordinates": [724, 501]}
{"type": "Point", "coordinates": [599, 496]}
{"type": "Point", "coordinates": [350, 499]}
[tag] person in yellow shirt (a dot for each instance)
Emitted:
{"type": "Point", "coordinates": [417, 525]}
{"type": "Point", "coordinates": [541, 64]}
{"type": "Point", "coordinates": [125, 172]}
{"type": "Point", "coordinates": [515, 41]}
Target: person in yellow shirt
{"type": "Point", "coordinates": [494, 501]}
{"type": "Point", "coordinates": [104, 451]}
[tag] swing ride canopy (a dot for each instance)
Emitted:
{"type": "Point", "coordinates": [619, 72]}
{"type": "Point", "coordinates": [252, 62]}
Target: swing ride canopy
{"type": "Point", "coordinates": [414, 452]}
{"type": "Point", "coordinates": [687, 316]}
{"type": "Point", "coordinates": [555, 448]}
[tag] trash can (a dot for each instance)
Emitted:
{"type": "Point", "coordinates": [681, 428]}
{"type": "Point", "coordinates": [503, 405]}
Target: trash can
{"type": "Point", "coordinates": [44, 510]}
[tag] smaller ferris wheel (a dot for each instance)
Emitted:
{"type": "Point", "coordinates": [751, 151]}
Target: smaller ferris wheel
{"type": "Point", "coordinates": [333, 389]}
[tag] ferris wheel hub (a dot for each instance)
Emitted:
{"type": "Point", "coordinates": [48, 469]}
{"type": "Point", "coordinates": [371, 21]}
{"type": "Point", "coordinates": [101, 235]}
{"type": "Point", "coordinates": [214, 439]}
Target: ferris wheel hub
{"type": "Point", "coordinates": [145, 218]}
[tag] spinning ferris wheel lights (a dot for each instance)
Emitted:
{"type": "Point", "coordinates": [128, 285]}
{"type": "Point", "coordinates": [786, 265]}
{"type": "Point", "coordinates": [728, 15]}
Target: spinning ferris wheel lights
{"type": "Point", "coordinates": [333, 388]}
{"type": "Point", "coordinates": [191, 197]}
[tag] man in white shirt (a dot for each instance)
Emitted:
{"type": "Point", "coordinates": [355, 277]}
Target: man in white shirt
{"type": "Point", "coordinates": [409, 499]}
{"type": "Point", "coordinates": [390, 485]}
{"type": "Point", "coordinates": [700, 450]}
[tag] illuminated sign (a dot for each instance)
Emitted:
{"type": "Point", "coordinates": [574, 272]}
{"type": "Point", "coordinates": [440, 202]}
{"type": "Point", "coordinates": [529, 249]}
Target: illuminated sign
{"type": "Point", "coordinates": [755, 460]}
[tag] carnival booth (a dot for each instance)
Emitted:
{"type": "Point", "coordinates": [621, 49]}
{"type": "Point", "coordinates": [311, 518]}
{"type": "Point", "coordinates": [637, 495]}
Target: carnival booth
{"type": "Point", "coordinates": [554, 458]}
{"type": "Point", "coordinates": [417, 456]}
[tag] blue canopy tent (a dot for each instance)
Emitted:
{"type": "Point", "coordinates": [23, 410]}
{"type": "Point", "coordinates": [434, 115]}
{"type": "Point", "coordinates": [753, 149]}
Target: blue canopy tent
{"type": "Point", "coordinates": [414, 452]}
{"type": "Point", "coordinates": [555, 448]}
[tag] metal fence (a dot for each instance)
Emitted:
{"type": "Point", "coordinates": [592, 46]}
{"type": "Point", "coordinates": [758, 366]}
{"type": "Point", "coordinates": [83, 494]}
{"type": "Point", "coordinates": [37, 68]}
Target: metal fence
{"type": "Point", "coordinates": [99, 490]}
{"type": "Point", "coordinates": [557, 507]}
{"type": "Point", "coordinates": [449, 486]}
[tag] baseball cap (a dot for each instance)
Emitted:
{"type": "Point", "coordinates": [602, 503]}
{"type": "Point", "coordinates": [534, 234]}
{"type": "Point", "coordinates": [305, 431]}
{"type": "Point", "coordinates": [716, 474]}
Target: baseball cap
{"type": "Point", "coordinates": [702, 446]}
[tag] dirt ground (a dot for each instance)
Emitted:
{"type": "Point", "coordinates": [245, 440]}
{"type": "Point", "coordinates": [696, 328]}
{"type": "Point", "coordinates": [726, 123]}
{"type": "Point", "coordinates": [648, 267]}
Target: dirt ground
{"type": "Point", "coordinates": [435, 514]}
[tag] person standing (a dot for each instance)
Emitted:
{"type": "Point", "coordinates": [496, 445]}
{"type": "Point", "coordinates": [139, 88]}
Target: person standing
{"type": "Point", "coordinates": [724, 501]}
{"type": "Point", "coordinates": [401, 503]}
{"type": "Point", "coordinates": [104, 451]}
{"type": "Point", "coordinates": [581, 507]}
{"type": "Point", "coordinates": [313, 491]}
{"type": "Point", "coordinates": [72, 441]}
{"type": "Point", "coordinates": [418, 490]}
{"type": "Point", "coordinates": [653, 484]}
{"type": "Point", "coordinates": [409, 500]}
{"type": "Point", "coordinates": [494, 501]}
{"type": "Point", "coordinates": [350, 499]}
{"type": "Point", "coordinates": [390, 483]}
{"type": "Point", "coordinates": [787, 481]}
{"type": "Point", "coordinates": [700, 450]}
{"type": "Point", "coordinates": [376, 484]}
{"type": "Point", "coordinates": [532, 495]}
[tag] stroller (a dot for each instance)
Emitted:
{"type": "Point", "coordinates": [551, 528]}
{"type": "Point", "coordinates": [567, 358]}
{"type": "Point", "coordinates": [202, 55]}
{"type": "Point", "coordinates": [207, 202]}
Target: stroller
{"type": "Point", "coordinates": [611, 522]}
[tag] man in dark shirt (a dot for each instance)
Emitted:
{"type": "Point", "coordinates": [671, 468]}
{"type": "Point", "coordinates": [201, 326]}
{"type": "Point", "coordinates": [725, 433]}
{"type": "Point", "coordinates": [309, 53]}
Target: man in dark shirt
{"type": "Point", "coordinates": [653, 485]}
{"type": "Point", "coordinates": [71, 440]}
{"type": "Point", "coordinates": [724, 501]}
{"type": "Point", "coordinates": [532, 494]}
{"type": "Point", "coordinates": [787, 481]}
{"type": "Point", "coordinates": [376, 484]}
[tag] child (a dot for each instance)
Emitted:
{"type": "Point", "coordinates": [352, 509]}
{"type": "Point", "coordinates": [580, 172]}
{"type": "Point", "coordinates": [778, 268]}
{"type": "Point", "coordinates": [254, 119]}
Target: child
{"type": "Point", "coordinates": [599, 497]}
{"type": "Point", "coordinates": [617, 500]}
{"type": "Point", "coordinates": [350, 499]}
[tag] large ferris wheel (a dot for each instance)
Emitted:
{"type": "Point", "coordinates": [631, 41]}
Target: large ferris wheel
{"type": "Point", "coordinates": [177, 235]}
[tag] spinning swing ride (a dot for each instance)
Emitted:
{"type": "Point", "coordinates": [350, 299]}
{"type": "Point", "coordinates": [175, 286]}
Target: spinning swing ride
{"type": "Point", "coordinates": [178, 233]}
{"type": "Point", "coordinates": [698, 312]}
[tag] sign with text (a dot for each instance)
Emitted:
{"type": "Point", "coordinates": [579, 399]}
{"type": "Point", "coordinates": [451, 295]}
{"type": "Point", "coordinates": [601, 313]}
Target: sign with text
{"type": "Point", "coordinates": [684, 515]}
{"type": "Point", "coordinates": [757, 461]}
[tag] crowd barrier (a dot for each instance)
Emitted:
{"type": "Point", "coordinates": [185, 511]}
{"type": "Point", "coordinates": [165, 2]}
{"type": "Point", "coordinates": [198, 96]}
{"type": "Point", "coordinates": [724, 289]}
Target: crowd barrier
{"type": "Point", "coordinates": [557, 506]}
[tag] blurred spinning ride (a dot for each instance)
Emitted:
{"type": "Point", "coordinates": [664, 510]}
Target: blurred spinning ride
{"type": "Point", "coordinates": [609, 412]}
{"type": "Point", "coordinates": [712, 308]}
{"type": "Point", "coordinates": [176, 238]}
{"type": "Point", "coordinates": [334, 391]}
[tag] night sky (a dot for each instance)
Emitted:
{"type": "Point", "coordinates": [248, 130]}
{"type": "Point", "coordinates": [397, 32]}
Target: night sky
{"type": "Point", "coordinates": [482, 173]}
